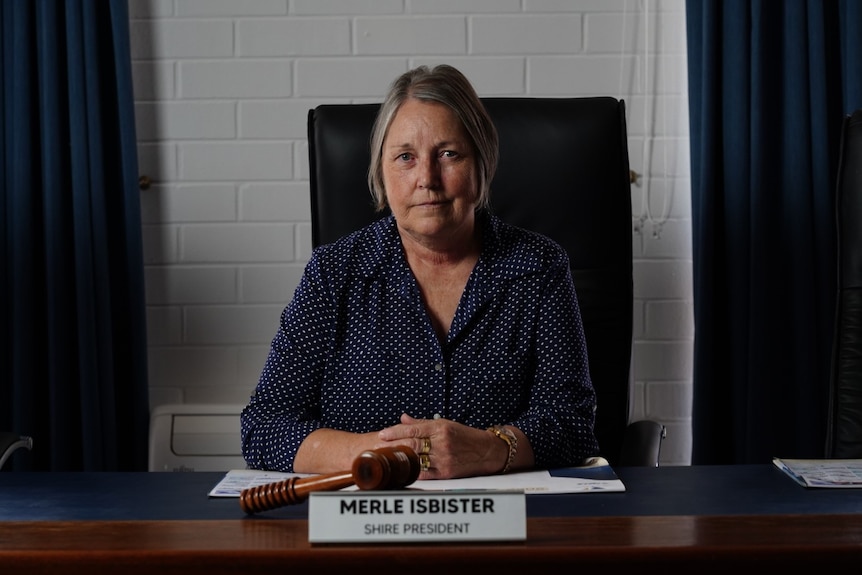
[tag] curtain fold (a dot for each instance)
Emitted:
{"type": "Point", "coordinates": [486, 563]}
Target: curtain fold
{"type": "Point", "coordinates": [769, 84]}
{"type": "Point", "coordinates": [74, 372]}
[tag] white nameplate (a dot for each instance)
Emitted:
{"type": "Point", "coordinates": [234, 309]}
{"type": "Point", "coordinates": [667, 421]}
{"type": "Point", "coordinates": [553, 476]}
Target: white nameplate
{"type": "Point", "coordinates": [416, 516]}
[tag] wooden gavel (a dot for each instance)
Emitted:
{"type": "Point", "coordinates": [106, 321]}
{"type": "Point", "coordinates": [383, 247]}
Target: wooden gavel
{"type": "Point", "coordinates": [382, 468]}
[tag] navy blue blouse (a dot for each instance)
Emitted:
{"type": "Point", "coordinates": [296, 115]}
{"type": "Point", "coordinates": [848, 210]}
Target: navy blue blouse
{"type": "Point", "coordinates": [355, 349]}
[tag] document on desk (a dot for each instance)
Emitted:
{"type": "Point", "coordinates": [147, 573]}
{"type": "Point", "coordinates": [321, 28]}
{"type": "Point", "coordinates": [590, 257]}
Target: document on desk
{"type": "Point", "coordinates": [595, 478]}
{"type": "Point", "coordinates": [829, 473]}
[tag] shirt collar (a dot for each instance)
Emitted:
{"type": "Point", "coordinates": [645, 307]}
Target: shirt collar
{"type": "Point", "coordinates": [503, 257]}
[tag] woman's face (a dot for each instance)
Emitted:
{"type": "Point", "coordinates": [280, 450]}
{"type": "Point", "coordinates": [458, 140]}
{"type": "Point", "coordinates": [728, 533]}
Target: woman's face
{"type": "Point", "coordinates": [429, 172]}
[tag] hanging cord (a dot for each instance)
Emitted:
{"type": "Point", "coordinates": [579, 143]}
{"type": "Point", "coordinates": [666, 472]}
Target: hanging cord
{"type": "Point", "coordinates": [623, 52]}
{"type": "Point", "coordinates": [649, 138]}
{"type": "Point", "coordinates": [644, 180]}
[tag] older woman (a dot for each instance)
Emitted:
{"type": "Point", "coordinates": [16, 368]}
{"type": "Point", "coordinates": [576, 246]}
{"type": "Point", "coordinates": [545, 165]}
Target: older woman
{"type": "Point", "coordinates": [438, 327]}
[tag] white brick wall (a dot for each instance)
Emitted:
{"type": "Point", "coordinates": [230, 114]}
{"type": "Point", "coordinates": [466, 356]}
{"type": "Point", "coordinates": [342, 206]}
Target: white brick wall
{"type": "Point", "coordinates": [222, 92]}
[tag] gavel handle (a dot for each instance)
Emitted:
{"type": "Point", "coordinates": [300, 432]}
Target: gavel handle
{"type": "Point", "coordinates": [383, 468]}
{"type": "Point", "coordinates": [291, 491]}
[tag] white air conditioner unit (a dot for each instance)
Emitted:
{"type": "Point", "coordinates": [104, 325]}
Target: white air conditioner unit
{"type": "Point", "coordinates": [195, 437]}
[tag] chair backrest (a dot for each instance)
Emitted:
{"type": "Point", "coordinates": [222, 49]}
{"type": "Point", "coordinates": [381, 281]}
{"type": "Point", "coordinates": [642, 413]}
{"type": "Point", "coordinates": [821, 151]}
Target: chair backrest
{"type": "Point", "coordinates": [563, 172]}
{"type": "Point", "coordinates": [11, 442]}
{"type": "Point", "coordinates": [844, 434]}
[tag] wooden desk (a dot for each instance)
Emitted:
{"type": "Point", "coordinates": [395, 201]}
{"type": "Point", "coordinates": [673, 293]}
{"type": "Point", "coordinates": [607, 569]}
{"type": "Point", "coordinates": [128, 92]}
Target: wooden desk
{"type": "Point", "coordinates": [670, 520]}
{"type": "Point", "coordinates": [668, 544]}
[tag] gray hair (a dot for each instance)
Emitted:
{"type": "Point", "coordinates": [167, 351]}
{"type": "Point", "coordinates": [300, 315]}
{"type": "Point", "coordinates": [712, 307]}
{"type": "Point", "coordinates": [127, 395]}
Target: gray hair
{"type": "Point", "coordinates": [446, 85]}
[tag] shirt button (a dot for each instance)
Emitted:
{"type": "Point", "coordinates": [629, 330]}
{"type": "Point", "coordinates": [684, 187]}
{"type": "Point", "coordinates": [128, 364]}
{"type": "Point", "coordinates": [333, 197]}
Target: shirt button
{"type": "Point", "coordinates": [438, 367]}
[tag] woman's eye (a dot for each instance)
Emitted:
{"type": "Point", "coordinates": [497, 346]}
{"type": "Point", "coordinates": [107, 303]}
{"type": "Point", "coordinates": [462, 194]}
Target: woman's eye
{"type": "Point", "coordinates": [405, 157]}
{"type": "Point", "coordinates": [450, 153]}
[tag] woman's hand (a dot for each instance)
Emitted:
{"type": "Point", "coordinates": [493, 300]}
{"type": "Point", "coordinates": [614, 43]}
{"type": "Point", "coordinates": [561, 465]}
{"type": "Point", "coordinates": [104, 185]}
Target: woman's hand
{"type": "Point", "coordinates": [452, 449]}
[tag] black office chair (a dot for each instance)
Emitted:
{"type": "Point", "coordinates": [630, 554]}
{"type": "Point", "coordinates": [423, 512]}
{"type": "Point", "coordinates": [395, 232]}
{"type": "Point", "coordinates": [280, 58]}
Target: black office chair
{"type": "Point", "coordinates": [564, 172]}
{"type": "Point", "coordinates": [844, 434]}
{"type": "Point", "coordinates": [10, 442]}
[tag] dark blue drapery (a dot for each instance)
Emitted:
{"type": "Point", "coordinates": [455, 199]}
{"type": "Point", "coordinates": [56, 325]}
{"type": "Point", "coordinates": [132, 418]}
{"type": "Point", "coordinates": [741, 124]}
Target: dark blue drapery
{"type": "Point", "coordinates": [769, 84]}
{"type": "Point", "coordinates": [73, 351]}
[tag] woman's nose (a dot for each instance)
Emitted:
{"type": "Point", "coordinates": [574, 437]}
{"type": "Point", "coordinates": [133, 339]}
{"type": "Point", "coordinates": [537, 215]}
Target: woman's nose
{"type": "Point", "coordinates": [429, 173]}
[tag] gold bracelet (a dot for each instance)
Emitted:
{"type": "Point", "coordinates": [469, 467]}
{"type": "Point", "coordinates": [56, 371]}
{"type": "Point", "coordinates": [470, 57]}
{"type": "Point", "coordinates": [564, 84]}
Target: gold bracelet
{"type": "Point", "coordinates": [511, 440]}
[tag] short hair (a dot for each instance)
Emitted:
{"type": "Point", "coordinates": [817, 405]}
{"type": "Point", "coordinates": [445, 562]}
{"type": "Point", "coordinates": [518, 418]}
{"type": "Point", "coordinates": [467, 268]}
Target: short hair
{"type": "Point", "coordinates": [445, 85]}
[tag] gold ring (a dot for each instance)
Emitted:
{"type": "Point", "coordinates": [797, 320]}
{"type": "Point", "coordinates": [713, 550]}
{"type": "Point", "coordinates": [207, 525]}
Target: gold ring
{"type": "Point", "coordinates": [424, 462]}
{"type": "Point", "coordinates": [426, 445]}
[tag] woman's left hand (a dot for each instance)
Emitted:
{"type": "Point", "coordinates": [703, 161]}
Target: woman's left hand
{"type": "Point", "coordinates": [449, 449]}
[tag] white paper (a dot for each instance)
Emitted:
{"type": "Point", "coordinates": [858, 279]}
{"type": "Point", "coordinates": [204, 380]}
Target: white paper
{"type": "Point", "coordinates": [235, 481]}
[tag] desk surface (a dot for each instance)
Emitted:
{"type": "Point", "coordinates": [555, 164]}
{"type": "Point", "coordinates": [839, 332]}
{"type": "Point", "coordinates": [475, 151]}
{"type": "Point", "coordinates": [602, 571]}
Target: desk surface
{"type": "Point", "coordinates": [709, 518]}
{"type": "Point", "coordinates": [694, 490]}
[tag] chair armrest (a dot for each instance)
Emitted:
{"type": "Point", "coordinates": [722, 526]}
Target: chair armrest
{"type": "Point", "coordinates": [9, 442]}
{"type": "Point", "coordinates": [642, 444]}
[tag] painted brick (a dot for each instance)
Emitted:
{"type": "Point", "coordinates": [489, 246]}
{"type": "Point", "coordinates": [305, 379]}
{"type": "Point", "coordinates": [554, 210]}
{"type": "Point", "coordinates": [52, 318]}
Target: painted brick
{"type": "Point", "coordinates": [231, 7]}
{"type": "Point", "coordinates": [670, 157]}
{"type": "Point", "coordinates": [636, 157]}
{"type": "Point", "coordinates": [172, 285]}
{"type": "Point", "coordinates": [250, 360]}
{"type": "Point", "coordinates": [666, 74]}
{"type": "Point", "coordinates": [659, 116]}
{"type": "Point", "coordinates": [579, 6]}
{"type": "Point", "coordinates": [667, 238]}
{"type": "Point", "coordinates": [303, 242]}
{"type": "Point", "coordinates": [637, 401]}
{"type": "Point", "coordinates": [181, 39]}
{"type": "Point", "coordinates": [236, 161]}
{"type": "Point", "coordinates": [662, 279]}
{"type": "Point", "coordinates": [578, 75]}
{"type": "Point", "coordinates": [153, 80]}
{"type": "Point", "coordinates": [300, 160]}
{"type": "Point", "coordinates": [618, 33]}
{"type": "Point", "coordinates": [535, 34]}
{"type": "Point", "coordinates": [663, 361]}
{"type": "Point", "coordinates": [234, 79]}
{"type": "Point", "coordinates": [225, 394]}
{"type": "Point", "coordinates": [278, 119]}
{"type": "Point", "coordinates": [284, 202]}
{"type": "Point", "coordinates": [189, 203]}
{"type": "Point", "coordinates": [339, 7]}
{"type": "Point", "coordinates": [151, 9]}
{"type": "Point", "coordinates": [236, 243]}
{"type": "Point", "coordinates": [334, 78]}
{"type": "Point", "coordinates": [638, 319]}
{"type": "Point", "coordinates": [158, 161]}
{"type": "Point", "coordinates": [490, 75]}
{"type": "Point", "coordinates": [301, 37]}
{"type": "Point", "coordinates": [463, 6]}
{"type": "Point", "coordinates": [159, 121]}
{"type": "Point", "coordinates": [164, 327]}
{"type": "Point", "coordinates": [626, 32]}
{"type": "Point", "coordinates": [669, 320]}
{"type": "Point", "coordinates": [231, 325]}
{"type": "Point", "coordinates": [668, 400]}
{"type": "Point", "coordinates": [396, 36]}
{"type": "Point", "coordinates": [164, 395]}
{"type": "Point", "coordinates": [270, 284]}
{"type": "Point", "coordinates": [159, 244]}
{"type": "Point", "coordinates": [191, 367]}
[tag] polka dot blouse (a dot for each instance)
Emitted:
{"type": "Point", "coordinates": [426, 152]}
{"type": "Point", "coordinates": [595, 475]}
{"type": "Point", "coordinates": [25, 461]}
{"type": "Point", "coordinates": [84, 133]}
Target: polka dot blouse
{"type": "Point", "coordinates": [355, 349]}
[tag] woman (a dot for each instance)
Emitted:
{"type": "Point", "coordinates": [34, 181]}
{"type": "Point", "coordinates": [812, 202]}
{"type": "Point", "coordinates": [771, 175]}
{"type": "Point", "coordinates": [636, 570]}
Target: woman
{"type": "Point", "coordinates": [438, 327]}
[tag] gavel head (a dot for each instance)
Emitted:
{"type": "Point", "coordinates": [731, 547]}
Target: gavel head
{"type": "Point", "coordinates": [386, 468]}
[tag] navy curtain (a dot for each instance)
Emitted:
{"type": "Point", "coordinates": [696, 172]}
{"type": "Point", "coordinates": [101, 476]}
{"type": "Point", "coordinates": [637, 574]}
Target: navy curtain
{"type": "Point", "coordinates": [769, 84]}
{"type": "Point", "coordinates": [73, 350]}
